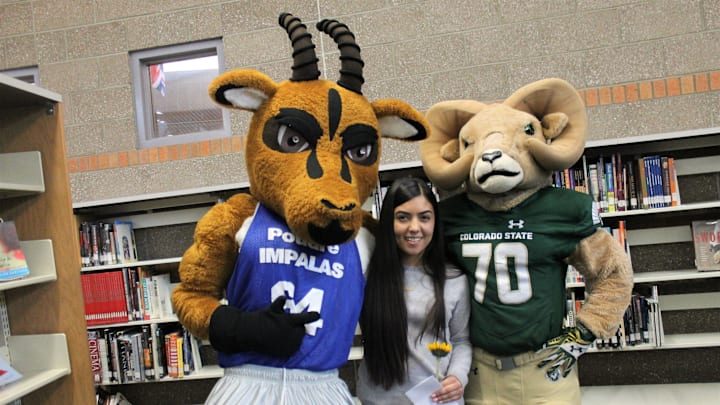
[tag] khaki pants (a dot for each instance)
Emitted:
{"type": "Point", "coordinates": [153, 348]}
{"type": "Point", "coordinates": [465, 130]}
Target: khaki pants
{"type": "Point", "coordinates": [517, 380]}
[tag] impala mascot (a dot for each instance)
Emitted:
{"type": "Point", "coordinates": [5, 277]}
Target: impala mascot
{"type": "Point", "coordinates": [289, 256]}
{"type": "Point", "coordinates": [514, 235]}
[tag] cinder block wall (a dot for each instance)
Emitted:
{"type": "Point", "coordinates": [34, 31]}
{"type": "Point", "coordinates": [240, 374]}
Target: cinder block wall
{"type": "Point", "coordinates": [643, 67]}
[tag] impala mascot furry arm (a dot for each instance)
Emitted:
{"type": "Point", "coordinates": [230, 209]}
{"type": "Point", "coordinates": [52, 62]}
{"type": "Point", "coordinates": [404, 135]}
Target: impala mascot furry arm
{"type": "Point", "coordinates": [289, 256]}
{"type": "Point", "coordinates": [514, 235]}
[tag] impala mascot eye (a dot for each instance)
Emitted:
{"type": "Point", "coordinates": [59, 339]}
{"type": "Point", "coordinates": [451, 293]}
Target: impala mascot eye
{"type": "Point", "coordinates": [360, 154]}
{"type": "Point", "coordinates": [291, 141]}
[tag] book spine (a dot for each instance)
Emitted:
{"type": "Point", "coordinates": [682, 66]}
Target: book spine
{"type": "Point", "coordinates": [674, 188]}
{"type": "Point", "coordinates": [610, 186]}
{"type": "Point", "coordinates": [147, 351]}
{"type": "Point", "coordinates": [85, 248]}
{"type": "Point", "coordinates": [95, 363]}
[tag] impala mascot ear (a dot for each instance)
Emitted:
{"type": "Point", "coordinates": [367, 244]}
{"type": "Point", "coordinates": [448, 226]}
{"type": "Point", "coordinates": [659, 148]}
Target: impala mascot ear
{"type": "Point", "coordinates": [283, 254]}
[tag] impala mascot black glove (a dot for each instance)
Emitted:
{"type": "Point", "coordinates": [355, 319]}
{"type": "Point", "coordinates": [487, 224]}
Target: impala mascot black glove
{"type": "Point", "coordinates": [569, 346]}
{"type": "Point", "coordinates": [269, 331]}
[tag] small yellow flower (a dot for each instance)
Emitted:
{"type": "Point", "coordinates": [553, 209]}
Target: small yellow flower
{"type": "Point", "coordinates": [439, 349]}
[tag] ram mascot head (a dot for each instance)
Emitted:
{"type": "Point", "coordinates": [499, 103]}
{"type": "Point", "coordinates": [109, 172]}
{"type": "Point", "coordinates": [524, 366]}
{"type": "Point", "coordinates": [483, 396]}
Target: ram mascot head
{"type": "Point", "coordinates": [312, 154]}
{"type": "Point", "coordinates": [503, 152]}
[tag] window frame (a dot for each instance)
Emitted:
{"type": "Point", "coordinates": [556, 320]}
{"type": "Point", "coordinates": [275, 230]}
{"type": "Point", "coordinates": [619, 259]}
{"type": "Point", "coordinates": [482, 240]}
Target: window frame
{"type": "Point", "coordinates": [139, 62]}
{"type": "Point", "coordinates": [23, 73]}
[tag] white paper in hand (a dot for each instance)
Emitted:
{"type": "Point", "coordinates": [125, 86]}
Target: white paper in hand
{"type": "Point", "coordinates": [420, 394]}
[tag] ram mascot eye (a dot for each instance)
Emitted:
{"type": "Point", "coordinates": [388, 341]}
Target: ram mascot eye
{"type": "Point", "coordinates": [529, 129]}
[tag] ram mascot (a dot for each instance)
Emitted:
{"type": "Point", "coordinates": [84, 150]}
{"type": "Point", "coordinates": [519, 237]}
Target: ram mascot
{"type": "Point", "coordinates": [514, 235]}
{"type": "Point", "coordinates": [289, 256]}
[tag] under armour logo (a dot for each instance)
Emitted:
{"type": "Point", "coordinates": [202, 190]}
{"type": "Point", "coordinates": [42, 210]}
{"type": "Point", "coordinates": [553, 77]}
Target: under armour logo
{"type": "Point", "coordinates": [576, 349]}
{"type": "Point", "coordinates": [519, 224]}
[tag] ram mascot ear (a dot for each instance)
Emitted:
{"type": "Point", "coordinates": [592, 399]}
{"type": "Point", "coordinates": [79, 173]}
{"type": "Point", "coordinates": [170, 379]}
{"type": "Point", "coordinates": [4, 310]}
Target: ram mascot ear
{"type": "Point", "coordinates": [313, 146]}
{"type": "Point", "coordinates": [553, 101]}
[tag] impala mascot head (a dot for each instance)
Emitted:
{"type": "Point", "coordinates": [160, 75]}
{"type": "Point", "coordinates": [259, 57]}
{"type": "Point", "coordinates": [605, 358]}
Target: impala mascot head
{"type": "Point", "coordinates": [503, 155]}
{"type": "Point", "coordinates": [297, 241]}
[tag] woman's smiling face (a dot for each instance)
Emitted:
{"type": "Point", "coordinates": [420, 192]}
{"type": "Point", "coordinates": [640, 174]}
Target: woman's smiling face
{"type": "Point", "coordinates": [414, 225]}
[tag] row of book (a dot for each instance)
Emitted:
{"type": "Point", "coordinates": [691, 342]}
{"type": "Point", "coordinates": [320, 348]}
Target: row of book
{"type": "Point", "coordinates": [103, 243]}
{"type": "Point", "coordinates": [640, 183]}
{"type": "Point", "coordinates": [126, 294]}
{"type": "Point", "coordinates": [642, 322]}
{"type": "Point", "coordinates": [142, 353]}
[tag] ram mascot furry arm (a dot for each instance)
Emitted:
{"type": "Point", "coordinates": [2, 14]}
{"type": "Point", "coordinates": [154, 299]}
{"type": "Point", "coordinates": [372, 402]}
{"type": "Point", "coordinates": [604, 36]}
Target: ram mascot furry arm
{"type": "Point", "coordinates": [503, 154]}
{"type": "Point", "coordinates": [297, 244]}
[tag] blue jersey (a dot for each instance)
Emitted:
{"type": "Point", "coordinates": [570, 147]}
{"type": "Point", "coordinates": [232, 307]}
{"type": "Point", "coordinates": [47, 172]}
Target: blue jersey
{"type": "Point", "coordinates": [271, 263]}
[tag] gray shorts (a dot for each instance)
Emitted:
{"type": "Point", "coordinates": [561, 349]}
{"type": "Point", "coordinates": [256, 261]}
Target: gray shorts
{"type": "Point", "coordinates": [259, 385]}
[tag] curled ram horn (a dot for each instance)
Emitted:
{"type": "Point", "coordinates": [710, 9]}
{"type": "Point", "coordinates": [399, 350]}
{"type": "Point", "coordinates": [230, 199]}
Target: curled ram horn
{"type": "Point", "coordinates": [446, 119]}
{"type": "Point", "coordinates": [549, 96]}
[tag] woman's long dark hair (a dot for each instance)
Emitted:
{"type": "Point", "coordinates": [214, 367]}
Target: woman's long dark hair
{"type": "Point", "coordinates": [383, 320]}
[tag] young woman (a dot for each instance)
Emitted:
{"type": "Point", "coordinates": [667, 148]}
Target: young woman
{"type": "Point", "coordinates": [411, 300]}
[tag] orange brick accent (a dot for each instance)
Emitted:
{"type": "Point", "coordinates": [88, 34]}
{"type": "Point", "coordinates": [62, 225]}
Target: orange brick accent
{"type": "Point", "coordinates": [581, 93]}
{"type": "Point", "coordinates": [659, 90]}
{"type": "Point", "coordinates": [687, 85]}
{"type": "Point", "coordinates": [162, 154]}
{"type": "Point", "coordinates": [592, 97]}
{"type": "Point", "coordinates": [133, 157]}
{"type": "Point", "coordinates": [143, 156]}
{"type": "Point", "coordinates": [204, 148]}
{"type": "Point", "coordinates": [112, 160]}
{"type": "Point", "coordinates": [72, 165]}
{"type": "Point", "coordinates": [632, 93]}
{"type": "Point", "coordinates": [715, 81]}
{"type": "Point", "coordinates": [226, 145]}
{"type": "Point", "coordinates": [153, 155]}
{"type": "Point", "coordinates": [123, 159]}
{"type": "Point", "coordinates": [673, 86]}
{"type": "Point", "coordinates": [237, 143]}
{"type": "Point", "coordinates": [701, 83]}
{"type": "Point", "coordinates": [645, 90]}
{"type": "Point", "coordinates": [172, 152]}
{"type": "Point", "coordinates": [605, 96]}
{"type": "Point", "coordinates": [618, 94]}
{"type": "Point", "coordinates": [184, 151]}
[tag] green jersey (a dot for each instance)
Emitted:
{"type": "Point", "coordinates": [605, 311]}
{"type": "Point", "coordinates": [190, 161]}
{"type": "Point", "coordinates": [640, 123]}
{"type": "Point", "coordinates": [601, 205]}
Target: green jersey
{"type": "Point", "coordinates": [515, 263]}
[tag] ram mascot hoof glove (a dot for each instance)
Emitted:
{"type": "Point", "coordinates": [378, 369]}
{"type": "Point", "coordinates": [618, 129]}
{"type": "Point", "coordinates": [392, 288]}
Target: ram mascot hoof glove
{"type": "Point", "coordinates": [513, 233]}
{"type": "Point", "coordinates": [289, 255]}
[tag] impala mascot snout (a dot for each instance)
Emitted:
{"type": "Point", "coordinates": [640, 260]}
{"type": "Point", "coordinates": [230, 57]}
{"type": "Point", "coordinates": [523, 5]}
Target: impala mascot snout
{"type": "Point", "coordinates": [289, 256]}
{"type": "Point", "coordinates": [514, 235]}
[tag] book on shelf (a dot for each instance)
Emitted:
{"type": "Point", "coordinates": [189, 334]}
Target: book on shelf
{"type": "Point", "coordinates": [104, 297]}
{"type": "Point", "coordinates": [125, 242]}
{"type": "Point", "coordinates": [93, 338]}
{"type": "Point", "coordinates": [674, 190]}
{"type": "Point", "coordinates": [13, 265]}
{"type": "Point", "coordinates": [7, 373]}
{"type": "Point", "coordinates": [706, 241]}
{"type": "Point", "coordinates": [104, 243]}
